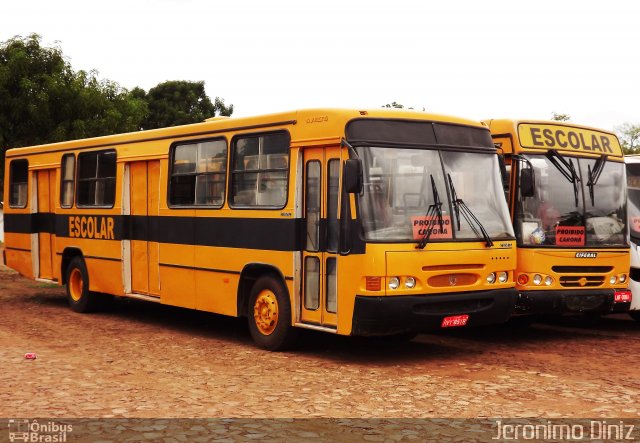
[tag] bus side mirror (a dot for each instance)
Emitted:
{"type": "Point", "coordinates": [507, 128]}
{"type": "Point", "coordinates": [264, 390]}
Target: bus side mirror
{"type": "Point", "coordinates": [352, 176]}
{"type": "Point", "coordinates": [527, 184]}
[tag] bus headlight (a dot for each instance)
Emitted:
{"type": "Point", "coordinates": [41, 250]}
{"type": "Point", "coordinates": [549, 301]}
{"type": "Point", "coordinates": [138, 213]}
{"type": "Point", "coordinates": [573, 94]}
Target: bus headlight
{"type": "Point", "coordinates": [409, 282]}
{"type": "Point", "coordinates": [613, 280]}
{"type": "Point", "coordinates": [622, 278]}
{"type": "Point", "coordinates": [548, 280]}
{"type": "Point", "coordinates": [491, 278]}
{"type": "Point", "coordinates": [394, 283]}
{"type": "Point", "coordinates": [537, 279]}
{"type": "Point", "coordinates": [503, 277]}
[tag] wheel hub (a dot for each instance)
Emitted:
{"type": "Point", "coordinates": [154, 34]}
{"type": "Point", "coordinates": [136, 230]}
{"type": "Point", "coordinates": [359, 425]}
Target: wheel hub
{"type": "Point", "coordinates": [75, 284]}
{"type": "Point", "coordinates": [265, 312]}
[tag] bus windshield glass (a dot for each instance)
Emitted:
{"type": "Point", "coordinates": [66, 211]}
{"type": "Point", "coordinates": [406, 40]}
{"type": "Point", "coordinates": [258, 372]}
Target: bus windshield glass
{"type": "Point", "coordinates": [399, 189]}
{"type": "Point", "coordinates": [633, 199]}
{"type": "Point", "coordinates": [574, 209]}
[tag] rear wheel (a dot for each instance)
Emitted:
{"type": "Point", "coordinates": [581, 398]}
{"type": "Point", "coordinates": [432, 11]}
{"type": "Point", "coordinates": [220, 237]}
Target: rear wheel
{"type": "Point", "coordinates": [270, 314]}
{"type": "Point", "coordinates": [78, 294]}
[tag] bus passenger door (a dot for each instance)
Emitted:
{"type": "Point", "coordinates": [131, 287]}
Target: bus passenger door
{"type": "Point", "coordinates": [319, 258]}
{"type": "Point", "coordinates": [145, 204]}
{"type": "Point", "coordinates": [46, 235]}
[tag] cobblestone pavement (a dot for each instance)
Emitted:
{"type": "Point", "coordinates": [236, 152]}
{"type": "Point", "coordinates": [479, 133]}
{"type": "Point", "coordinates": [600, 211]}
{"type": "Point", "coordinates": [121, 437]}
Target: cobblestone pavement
{"type": "Point", "coordinates": [144, 360]}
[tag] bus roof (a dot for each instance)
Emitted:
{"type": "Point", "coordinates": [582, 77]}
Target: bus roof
{"type": "Point", "coordinates": [536, 135]}
{"type": "Point", "coordinates": [308, 124]}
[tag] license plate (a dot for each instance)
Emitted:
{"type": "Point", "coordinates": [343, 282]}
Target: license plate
{"type": "Point", "coordinates": [622, 297]}
{"type": "Point", "coordinates": [454, 320]}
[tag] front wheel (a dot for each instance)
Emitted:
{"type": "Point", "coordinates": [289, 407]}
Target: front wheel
{"type": "Point", "coordinates": [270, 314]}
{"type": "Point", "coordinates": [78, 294]}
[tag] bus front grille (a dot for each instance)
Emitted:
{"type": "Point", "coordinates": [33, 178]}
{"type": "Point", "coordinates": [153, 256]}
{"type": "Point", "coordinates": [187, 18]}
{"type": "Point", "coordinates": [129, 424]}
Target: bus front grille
{"type": "Point", "coordinates": [577, 281]}
{"type": "Point", "coordinates": [582, 269]}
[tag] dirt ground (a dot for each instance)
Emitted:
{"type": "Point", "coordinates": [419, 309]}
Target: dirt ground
{"type": "Point", "coordinates": [144, 360]}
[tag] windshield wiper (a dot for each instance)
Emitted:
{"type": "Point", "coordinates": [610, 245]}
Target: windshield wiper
{"type": "Point", "coordinates": [594, 175]}
{"type": "Point", "coordinates": [461, 206]}
{"type": "Point", "coordinates": [434, 210]}
{"type": "Point", "coordinates": [566, 168]}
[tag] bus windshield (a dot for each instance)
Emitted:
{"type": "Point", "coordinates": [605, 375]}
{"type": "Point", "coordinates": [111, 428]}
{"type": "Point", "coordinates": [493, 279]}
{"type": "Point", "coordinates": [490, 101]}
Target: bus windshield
{"type": "Point", "coordinates": [633, 200]}
{"type": "Point", "coordinates": [399, 189]}
{"type": "Point", "coordinates": [572, 211]}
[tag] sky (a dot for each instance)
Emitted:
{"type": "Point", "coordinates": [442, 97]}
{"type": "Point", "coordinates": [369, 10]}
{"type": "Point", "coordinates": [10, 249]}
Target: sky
{"type": "Point", "coordinates": [474, 59]}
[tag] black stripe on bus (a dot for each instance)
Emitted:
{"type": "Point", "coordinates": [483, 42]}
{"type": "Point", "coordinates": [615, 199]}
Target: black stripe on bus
{"type": "Point", "coordinates": [95, 257]}
{"type": "Point", "coordinates": [10, 248]}
{"type": "Point", "coordinates": [247, 233]}
{"type": "Point", "coordinates": [220, 271]}
{"type": "Point", "coordinates": [102, 258]}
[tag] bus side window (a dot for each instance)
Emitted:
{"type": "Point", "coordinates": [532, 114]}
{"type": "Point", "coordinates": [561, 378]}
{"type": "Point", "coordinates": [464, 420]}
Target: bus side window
{"type": "Point", "coordinates": [68, 177]}
{"type": "Point", "coordinates": [96, 178]}
{"type": "Point", "coordinates": [18, 183]}
{"type": "Point", "coordinates": [260, 169]}
{"type": "Point", "coordinates": [199, 174]}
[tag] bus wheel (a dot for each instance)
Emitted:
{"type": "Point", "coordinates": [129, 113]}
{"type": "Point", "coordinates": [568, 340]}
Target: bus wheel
{"type": "Point", "coordinates": [78, 294]}
{"type": "Point", "coordinates": [270, 315]}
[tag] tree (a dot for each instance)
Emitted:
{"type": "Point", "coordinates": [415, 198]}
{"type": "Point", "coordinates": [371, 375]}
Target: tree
{"type": "Point", "coordinates": [394, 105]}
{"type": "Point", "coordinates": [398, 106]}
{"type": "Point", "coordinates": [42, 100]}
{"type": "Point", "coordinates": [560, 117]}
{"type": "Point", "coordinates": [629, 136]}
{"type": "Point", "coordinates": [179, 103]}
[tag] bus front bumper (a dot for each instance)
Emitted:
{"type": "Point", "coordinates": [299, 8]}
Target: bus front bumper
{"type": "Point", "coordinates": [420, 313]}
{"type": "Point", "coordinates": [569, 302]}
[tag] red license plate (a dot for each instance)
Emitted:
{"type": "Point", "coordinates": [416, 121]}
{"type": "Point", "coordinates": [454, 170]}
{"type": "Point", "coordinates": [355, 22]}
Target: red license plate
{"type": "Point", "coordinates": [454, 320]}
{"type": "Point", "coordinates": [622, 296]}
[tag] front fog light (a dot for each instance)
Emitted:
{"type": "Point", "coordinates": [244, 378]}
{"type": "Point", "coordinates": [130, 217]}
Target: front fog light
{"type": "Point", "coordinates": [622, 278]}
{"type": "Point", "coordinates": [410, 283]}
{"type": "Point", "coordinates": [394, 283]}
{"type": "Point", "coordinates": [503, 277]}
{"type": "Point", "coordinates": [548, 280]}
{"type": "Point", "coordinates": [491, 278]}
{"type": "Point", "coordinates": [537, 279]}
{"type": "Point", "coordinates": [613, 280]}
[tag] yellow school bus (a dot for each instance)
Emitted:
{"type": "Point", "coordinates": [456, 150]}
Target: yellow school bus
{"type": "Point", "coordinates": [567, 197]}
{"type": "Point", "coordinates": [355, 222]}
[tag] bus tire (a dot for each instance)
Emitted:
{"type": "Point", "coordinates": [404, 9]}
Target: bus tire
{"type": "Point", "coordinates": [78, 295]}
{"type": "Point", "coordinates": [269, 314]}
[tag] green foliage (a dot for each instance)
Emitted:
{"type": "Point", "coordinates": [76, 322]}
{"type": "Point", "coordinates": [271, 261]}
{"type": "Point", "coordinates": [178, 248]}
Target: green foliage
{"type": "Point", "coordinates": [560, 117]}
{"type": "Point", "coordinates": [629, 136]}
{"type": "Point", "coordinates": [42, 100]}
{"type": "Point", "coordinates": [175, 103]}
{"type": "Point", "coordinates": [394, 105]}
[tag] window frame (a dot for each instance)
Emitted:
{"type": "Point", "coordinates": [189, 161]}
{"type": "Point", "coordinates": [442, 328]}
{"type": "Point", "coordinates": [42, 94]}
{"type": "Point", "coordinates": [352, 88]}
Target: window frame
{"type": "Point", "coordinates": [77, 179]}
{"type": "Point", "coordinates": [62, 180]}
{"type": "Point", "coordinates": [172, 152]}
{"type": "Point", "coordinates": [232, 145]}
{"type": "Point", "coordinates": [26, 202]}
